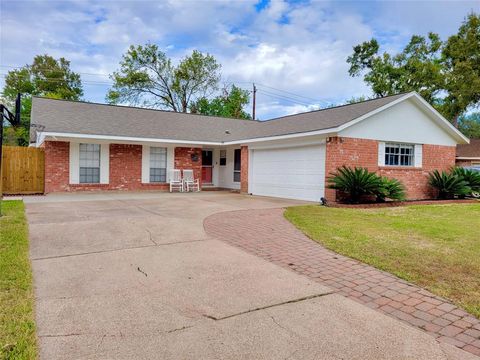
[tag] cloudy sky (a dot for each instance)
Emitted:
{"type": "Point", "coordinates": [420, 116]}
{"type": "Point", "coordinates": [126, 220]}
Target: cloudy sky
{"type": "Point", "coordinates": [294, 51]}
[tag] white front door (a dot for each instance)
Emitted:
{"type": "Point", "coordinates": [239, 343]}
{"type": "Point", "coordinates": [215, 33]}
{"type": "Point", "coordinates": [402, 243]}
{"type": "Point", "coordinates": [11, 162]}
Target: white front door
{"type": "Point", "coordinates": [293, 172]}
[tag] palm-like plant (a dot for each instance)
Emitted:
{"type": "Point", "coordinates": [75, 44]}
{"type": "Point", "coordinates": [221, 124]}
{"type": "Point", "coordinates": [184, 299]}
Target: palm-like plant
{"type": "Point", "coordinates": [355, 183]}
{"type": "Point", "coordinates": [471, 177]}
{"type": "Point", "coordinates": [390, 189]}
{"type": "Point", "coordinates": [448, 184]}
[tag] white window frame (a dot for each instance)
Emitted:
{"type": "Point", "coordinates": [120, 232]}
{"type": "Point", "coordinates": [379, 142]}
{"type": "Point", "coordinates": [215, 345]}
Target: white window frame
{"type": "Point", "coordinates": [146, 162]}
{"type": "Point", "coordinates": [165, 154]}
{"type": "Point", "coordinates": [74, 163]}
{"type": "Point", "coordinates": [416, 156]}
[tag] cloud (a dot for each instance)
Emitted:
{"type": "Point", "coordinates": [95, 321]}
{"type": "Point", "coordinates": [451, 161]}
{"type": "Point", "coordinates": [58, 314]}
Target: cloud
{"type": "Point", "coordinates": [300, 47]}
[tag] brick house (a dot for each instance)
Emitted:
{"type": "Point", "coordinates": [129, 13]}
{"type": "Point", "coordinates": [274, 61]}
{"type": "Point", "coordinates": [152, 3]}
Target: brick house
{"type": "Point", "coordinates": [103, 147]}
{"type": "Point", "coordinates": [469, 154]}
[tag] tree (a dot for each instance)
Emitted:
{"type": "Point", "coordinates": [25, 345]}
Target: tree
{"type": "Point", "coordinates": [446, 74]}
{"type": "Point", "coordinates": [229, 104]}
{"type": "Point", "coordinates": [461, 57]}
{"type": "Point", "coordinates": [469, 125]}
{"type": "Point", "coordinates": [147, 77]}
{"type": "Point", "coordinates": [46, 76]}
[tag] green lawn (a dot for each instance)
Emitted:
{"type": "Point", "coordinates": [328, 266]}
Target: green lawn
{"type": "Point", "coordinates": [434, 246]}
{"type": "Point", "coordinates": [17, 326]}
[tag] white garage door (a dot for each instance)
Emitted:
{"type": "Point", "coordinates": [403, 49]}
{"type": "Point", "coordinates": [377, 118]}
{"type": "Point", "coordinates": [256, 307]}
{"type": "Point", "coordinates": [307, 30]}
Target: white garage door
{"type": "Point", "coordinates": [294, 172]}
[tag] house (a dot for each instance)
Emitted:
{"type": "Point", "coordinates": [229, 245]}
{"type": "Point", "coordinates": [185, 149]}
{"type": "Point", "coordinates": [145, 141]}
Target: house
{"type": "Point", "coordinates": [468, 154]}
{"type": "Point", "coordinates": [103, 147]}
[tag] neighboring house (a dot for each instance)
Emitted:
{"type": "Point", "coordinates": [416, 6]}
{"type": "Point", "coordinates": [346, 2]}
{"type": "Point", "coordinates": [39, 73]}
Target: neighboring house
{"type": "Point", "coordinates": [102, 147]}
{"type": "Point", "coordinates": [468, 154]}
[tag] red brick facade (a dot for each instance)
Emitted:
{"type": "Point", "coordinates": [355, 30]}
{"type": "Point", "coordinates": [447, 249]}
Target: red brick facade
{"type": "Point", "coordinates": [57, 165]}
{"type": "Point", "coordinates": [125, 168]}
{"type": "Point", "coordinates": [244, 170]}
{"type": "Point", "coordinates": [364, 153]}
{"type": "Point", "coordinates": [189, 158]}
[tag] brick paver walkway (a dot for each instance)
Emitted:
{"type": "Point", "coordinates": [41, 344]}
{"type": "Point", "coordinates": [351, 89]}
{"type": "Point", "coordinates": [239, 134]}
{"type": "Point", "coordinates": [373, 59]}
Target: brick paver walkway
{"type": "Point", "coordinates": [268, 234]}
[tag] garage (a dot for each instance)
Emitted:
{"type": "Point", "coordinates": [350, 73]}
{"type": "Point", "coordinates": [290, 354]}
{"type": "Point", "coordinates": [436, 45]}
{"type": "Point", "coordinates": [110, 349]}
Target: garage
{"type": "Point", "coordinates": [291, 172]}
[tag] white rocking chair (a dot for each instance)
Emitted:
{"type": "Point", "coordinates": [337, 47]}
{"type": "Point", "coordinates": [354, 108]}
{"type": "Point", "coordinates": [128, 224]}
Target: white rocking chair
{"type": "Point", "coordinates": [175, 180]}
{"type": "Point", "coordinates": [190, 183]}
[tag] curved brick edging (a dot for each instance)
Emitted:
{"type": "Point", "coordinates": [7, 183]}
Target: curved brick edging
{"type": "Point", "coordinates": [266, 233]}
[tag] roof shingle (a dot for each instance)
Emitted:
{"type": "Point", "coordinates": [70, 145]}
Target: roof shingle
{"type": "Point", "coordinates": [63, 116]}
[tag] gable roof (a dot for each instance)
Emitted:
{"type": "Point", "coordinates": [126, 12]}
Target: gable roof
{"type": "Point", "coordinates": [471, 150]}
{"type": "Point", "coordinates": [76, 117]}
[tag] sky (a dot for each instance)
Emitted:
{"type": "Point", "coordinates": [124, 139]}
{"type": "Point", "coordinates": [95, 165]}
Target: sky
{"type": "Point", "coordinates": [294, 51]}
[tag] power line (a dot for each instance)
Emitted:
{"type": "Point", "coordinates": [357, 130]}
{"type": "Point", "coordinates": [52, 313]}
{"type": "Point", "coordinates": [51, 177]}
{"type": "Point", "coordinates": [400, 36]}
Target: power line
{"type": "Point", "coordinates": [233, 82]}
{"type": "Point", "coordinates": [286, 98]}
{"type": "Point", "coordinates": [49, 69]}
{"type": "Point", "coordinates": [88, 82]}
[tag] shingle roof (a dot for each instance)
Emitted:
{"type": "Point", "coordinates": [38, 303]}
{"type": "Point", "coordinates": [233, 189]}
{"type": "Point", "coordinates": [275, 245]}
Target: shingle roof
{"type": "Point", "coordinates": [51, 115]}
{"type": "Point", "coordinates": [469, 150]}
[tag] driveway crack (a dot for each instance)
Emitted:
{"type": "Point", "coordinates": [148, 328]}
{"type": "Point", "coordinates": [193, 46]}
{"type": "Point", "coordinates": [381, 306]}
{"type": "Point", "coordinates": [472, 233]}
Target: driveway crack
{"type": "Point", "coordinates": [268, 306]}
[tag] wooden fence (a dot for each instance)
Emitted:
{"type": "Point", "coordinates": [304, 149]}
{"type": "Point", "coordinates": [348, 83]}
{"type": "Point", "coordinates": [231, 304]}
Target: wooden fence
{"type": "Point", "coordinates": [23, 170]}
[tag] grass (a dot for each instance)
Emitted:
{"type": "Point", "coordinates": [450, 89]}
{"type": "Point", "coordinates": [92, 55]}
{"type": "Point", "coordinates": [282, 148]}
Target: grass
{"type": "Point", "coordinates": [434, 246]}
{"type": "Point", "coordinates": [17, 326]}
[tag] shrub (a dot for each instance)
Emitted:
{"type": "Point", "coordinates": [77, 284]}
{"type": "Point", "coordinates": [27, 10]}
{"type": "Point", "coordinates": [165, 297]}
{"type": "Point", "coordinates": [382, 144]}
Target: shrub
{"type": "Point", "coordinates": [448, 185]}
{"type": "Point", "coordinates": [470, 176]}
{"type": "Point", "coordinates": [390, 189]}
{"type": "Point", "coordinates": [357, 183]}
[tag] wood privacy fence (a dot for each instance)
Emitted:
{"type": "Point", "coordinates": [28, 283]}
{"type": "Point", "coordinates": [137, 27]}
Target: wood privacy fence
{"type": "Point", "coordinates": [23, 170]}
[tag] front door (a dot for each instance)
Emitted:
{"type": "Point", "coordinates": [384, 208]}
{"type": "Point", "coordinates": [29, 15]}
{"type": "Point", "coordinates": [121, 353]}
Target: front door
{"type": "Point", "coordinates": [207, 166]}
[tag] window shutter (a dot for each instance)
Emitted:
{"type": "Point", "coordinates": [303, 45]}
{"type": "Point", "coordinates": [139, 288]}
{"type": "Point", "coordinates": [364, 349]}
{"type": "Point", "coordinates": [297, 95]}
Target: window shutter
{"type": "Point", "coordinates": [105, 164]}
{"type": "Point", "coordinates": [418, 156]}
{"type": "Point", "coordinates": [74, 163]}
{"type": "Point", "coordinates": [145, 164]}
{"type": "Point", "coordinates": [381, 154]}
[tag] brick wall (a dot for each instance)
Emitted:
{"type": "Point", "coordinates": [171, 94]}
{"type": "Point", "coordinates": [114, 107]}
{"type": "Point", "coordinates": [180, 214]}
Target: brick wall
{"type": "Point", "coordinates": [361, 152]}
{"type": "Point", "coordinates": [125, 168]}
{"type": "Point", "coordinates": [244, 170]}
{"type": "Point", "coordinates": [57, 165]}
{"type": "Point", "coordinates": [183, 160]}
{"type": "Point", "coordinates": [459, 162]}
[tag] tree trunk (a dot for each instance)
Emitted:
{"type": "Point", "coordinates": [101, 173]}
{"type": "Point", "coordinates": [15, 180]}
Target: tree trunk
{"type": "Point", "coordinates": [455, 121]}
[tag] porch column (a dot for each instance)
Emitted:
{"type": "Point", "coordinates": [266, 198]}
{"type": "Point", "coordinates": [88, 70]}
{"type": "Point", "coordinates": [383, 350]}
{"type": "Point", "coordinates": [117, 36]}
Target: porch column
{"type": "Point", "coordinates": [244, 170]}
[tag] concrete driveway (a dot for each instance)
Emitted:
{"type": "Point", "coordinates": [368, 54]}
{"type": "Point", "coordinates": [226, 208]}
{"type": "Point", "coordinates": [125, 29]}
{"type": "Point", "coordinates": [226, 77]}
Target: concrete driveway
{"type": "Point", "coordinates": [134, 276]}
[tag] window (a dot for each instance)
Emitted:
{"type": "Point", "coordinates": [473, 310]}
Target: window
{"type": "Point", "coordinates": [158, 164]}
{"type": "Point", "coordinates": [89, 163]}
{"type": "Point", "coordinates": [237, 165]}
{"type": "Point", "coordinates": [223, 157]}
{"type": "Point", "coordinates": [399, 154]}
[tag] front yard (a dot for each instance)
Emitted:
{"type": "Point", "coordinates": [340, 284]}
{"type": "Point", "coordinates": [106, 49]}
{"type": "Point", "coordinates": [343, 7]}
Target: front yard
{"type": "Point", "coordinates": [17, 326]}
{"type": "Point", "coordinates": [434, 246]}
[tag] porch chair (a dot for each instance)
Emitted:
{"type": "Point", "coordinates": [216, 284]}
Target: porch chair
{"type": "Point", "coordinates": [175, 180]}
{"type": "Point", "coordinates": [190, 183]}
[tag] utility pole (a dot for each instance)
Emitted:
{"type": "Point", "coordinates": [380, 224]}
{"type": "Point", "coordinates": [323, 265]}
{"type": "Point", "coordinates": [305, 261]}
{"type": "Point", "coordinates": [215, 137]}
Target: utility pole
{"type": "Point", "coordinates": [254, 100]}
{"type": "Point", "coordinates": [6, 114]}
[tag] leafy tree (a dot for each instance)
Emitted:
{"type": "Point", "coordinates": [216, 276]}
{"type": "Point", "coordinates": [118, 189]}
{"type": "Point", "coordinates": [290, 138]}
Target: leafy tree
{"type": "Point", "coordinates": [469, 125]}
{"type": "Point", "coordinates": [46, 76]}
{"type": "Point", "coordinates": [429, 66]}
{"type": "Point", "coordinates": [229, 104]}
{"type": "Point", "coordinates": [461, 58]}
{"type": "Point", "coordinates": [147, 77]}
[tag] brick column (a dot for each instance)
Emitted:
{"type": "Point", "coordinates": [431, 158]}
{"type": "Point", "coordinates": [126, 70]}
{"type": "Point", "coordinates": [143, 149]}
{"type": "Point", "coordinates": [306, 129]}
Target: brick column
{"type": "Point", "coordinates": [244, 170]}
{"type": "Point", "coordinates": [57, 166]}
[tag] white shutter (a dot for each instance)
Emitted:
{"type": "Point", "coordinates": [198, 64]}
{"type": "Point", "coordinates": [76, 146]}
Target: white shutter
{"type": "Point", "coordinates": [105, 164]}
{"type": "Point", "coordinates": [145, 164]}
{"type": "Point", "coordinates": [417, 156]}
{"type": "Point", "coordinates": [74, 158]}
{"type": "Point", "coordinates": [381, 154]}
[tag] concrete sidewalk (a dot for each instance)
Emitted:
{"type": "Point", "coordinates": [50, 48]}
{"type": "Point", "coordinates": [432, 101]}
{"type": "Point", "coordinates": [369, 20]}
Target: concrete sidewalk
{"type": "Point", "coordinates": [135, 276]}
